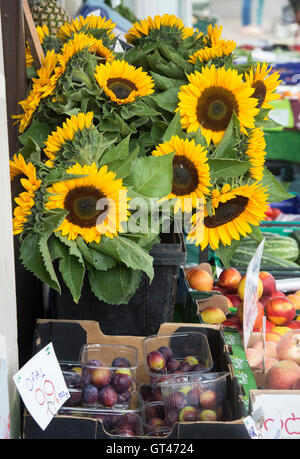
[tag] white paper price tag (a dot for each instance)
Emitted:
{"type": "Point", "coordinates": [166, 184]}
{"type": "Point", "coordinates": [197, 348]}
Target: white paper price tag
{"type": "Point", "coordinates": [42, 387]}
{"type": "Point", "coordinates": [250, 299]}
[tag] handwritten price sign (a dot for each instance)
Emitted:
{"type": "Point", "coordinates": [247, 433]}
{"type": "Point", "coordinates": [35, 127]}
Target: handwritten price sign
{"type": "Point", "coordinates": [42, 386]}
{"type": "Point", "coordinates": [250, 307]}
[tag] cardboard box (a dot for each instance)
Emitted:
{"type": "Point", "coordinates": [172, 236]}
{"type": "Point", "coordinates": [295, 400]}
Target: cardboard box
{"type": "Point", "coordinates": [67, 338]}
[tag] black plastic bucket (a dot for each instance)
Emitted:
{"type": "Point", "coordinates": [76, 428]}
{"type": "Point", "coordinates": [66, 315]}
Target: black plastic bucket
{"type": "Point", "coordinates": [151, 305]}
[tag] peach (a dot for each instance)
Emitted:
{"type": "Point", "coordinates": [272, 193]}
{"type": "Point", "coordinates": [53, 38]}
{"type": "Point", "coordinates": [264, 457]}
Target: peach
{"type": "Point", "coordinates": [272, 336]}
{"type": "Point", "coordinates": [270, 348]}
{"type": "Point", "coordinates": [282, 375]}
{"type": "Point", "coordinates": [279, 293]}
{"type": "Point", "coordinates": [269, 362]}
{"type": "Point", "coordinates": [201, 280]}
{"type": "Point", "coordinates": [281, 330]}
{"type": "Point", "coordinates": [190, 271]}
{"type": "Point", "coordinates": [264, 300]}
{"type": "Point", "coordinates": [269, 283]}
{"type": "Point", "coordinates": [259, 319]}
{"type": "Point", "coordinates": [295, 299]}
{"type": "Point", "coordinates": [254, 357]}
{"type": "Point", "coordinates": [280, 310]}
{"type": "Point", "coordinates": [235, 300]}
{"type": "Point", "coordinates": [269, 325]}
{"type": "Point", "coordinates": [229, 279]}
{"type": "Point", "coordinates": [242, 284]}
{"type": "Point", "coordinates": [288, 347]}
{"type": "Point", "coordinates": [297, 293]}
{"type": "Point", "coordinates": [213, 315]}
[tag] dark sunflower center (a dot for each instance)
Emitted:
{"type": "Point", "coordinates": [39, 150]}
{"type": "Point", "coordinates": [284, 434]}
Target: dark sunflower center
{"type": "Point", "coordinates": [185, 176]}
{"type": "Point", "coordinates": [81, 202]}
{"type": "Point", "coordinates": [215, 108]}
{"type": "Point", "coordinates": [226, 212]}
{"type": "Point", "coordinates": [260, 92]}
{"type": "Point", "coordinates": [121, 87]}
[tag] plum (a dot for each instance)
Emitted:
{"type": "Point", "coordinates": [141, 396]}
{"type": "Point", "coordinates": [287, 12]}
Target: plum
{"type": "Point", "coordinates": [121, 362]}
{"type": "Point", "coordinates": [166, 352]}
{"type": "Point", "coordinates": [121, 382]}
{"type": "Point", "coordinates": [177, 400]}
{"type": "Point", "coordinates": [172, 365]}
{"type": "Point", "coordinates": [188, 414]}
{"type": "Point", "coordinates": [157, 394]}
{"type": "Point", "coordinates": [193, 397]}
{"type": "Point", "coordinates": [155, 424]}
{"type": "Point", "coordinates": [156, 361]}
{"type": "Point", "coordinates": [101, 377]}
{"type": "Point", "coordinates": [208, 399]}
{"type": "Point", "coordinates": [89, 394]}
{"type": "Point", "coordinates": [172, 416]}
{"type": "Point", "coordinates": [124, 398]}
{"type": "Point", "coordinates": [154, 411]}
{"type": "Point", "coordinates": [191, 360]}
{"type": "Point", "coordinates": [108, 396]}
{"type": "Point", "coordinates": [146, 393]}
{"type": "Point", "coordinates": [185, 367]}
{"type": "Point", "coordinates": [198, 367]}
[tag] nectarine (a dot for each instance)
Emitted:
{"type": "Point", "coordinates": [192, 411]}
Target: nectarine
{"type": "Point", "coordinates": [269, 362]}
{"type": "Point", "coordinates": [213, 315]}
{"type": "Point", "coordinates": [242, 284]}
{"type": "Point", "coordinates": [229, 279]}
{"type": "Point", "coordinates": [288, 347]}
{"type": "Point", "coordinates": [281, 330]}
{"type": "Point", "coordinates": [201, 280]}
{"type": "Point", "coordinates": [259, 318]}
{"type": "Point", "coordinates": [270, 348]}
{"type": "Point", "coordinates": [295, 299]}
{"type": "Point", "coordinates": [272, 336]}
{"type": "Point", "coordinates": [254, 357]}
{"type": "Point", "coordinates": [280, 310]}
{"type": "Point", "coordinates": [269, 283]}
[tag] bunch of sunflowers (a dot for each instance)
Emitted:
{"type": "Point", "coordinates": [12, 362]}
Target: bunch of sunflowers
{"type": "Point", "coordinates": [171, 120]}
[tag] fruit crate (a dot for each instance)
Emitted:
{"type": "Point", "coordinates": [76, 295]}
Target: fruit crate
{"type": "Point", "coordinates": [68, 336]}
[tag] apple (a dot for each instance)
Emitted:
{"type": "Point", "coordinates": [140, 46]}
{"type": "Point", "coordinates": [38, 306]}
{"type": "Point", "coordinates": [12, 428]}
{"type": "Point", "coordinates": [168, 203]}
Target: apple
{"type": "Point", "coordinates": [213, 315]}
{"type": "Point", "coordinates": [280, 310]}
{"type": "Point", "coordinates": [282, 375]}
{"type": "Point", "coordinates": [242, 284]}
{"type": "Point", "coordinates": [295, 299]}
{"type": "Point", "coordinates": [269, 283]}
{"type": "Point", "coordinates": [259, 318]}
{"type": "Point", "coordinates": [229, 279]}
{"type": "Point", "coordinates": [288, 347]}
{"type": "Point", "coordinates": [201, 280]}
{"type": "Point", "coordinates": [254, 357]}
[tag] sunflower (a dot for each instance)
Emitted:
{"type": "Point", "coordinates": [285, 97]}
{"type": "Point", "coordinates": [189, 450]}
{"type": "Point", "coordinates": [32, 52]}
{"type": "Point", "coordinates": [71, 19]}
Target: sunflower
{"type": "Point", "coordinates": [123, 82]}
{"type": "Point", "coordinates": [264, 84]}
{"type": "Point", "coordinates": [18, 166]}
{"type": "Point", "coordinates": [102, 52]}
{"type": "Point", "coordinates": [256, 152]}
{"type": "Point", "coordinates": [213, 34]}
{"type": "Point", "coordinates": [167, 28]}
{"type": "Point", "coordinates": [80, 42]}
{"type": "Point", "coordinates": [66, 133]}
{"type": "Point", "coordinates": [42, 31]}
{"type": "Point", "coordinates": [97, 203]}
{"type": "Point", "coordinates": [210, 99]}
{"type": "Point", "coordinates": [98, 26]}
{"type": "Point", "coordinates": [25, 201]}
{"type": "Point", "coordinates": [234, 210]}
{"type": "Point", "coordinates": [42, 87]}
{"type": "Point", "coordinates": [221, 49]}
{"type": "Point", "coordinates": [191, 177]}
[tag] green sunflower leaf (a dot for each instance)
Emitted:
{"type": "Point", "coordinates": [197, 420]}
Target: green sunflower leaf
{"type": "Point", "coordinates": [38, 132]}
{"type": "Point", "coordinates": [32, 259]}
{"type": "Point", "coordinates": [163, 83]}
{"type": "Point", "coordinates": [31, 151]}
{"type": "Point", "coordinates": [152, 176]}
{"type": "Point", "coordinates": [122, 168]}
{"type": "Point", "coordinates": [174, 128]}
{"type": "Point", "coordinates": [71, 245]}
{"type": "Point", "coordinates": [276, 191]}
{"type": "Point", "coordinates": [125, 282]}
{"type": "Point", "coordinates": [119, 152]}
{"type": "Point", "coordinates": [225, 253]}
{"type": "Point", "coordinates": [225, 147]}
{"type": "Point", "coordinates": [95, 258]}
{"type": "Point", "coordinates": [167, 100]}
{"type": "Point", "coordinates": [227, 168]}
{"type": "Point", "coordinates": [127, 252]}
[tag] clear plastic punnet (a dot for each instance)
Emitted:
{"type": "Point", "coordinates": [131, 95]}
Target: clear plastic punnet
{"type": "Point", "coordinates": [184, 353]}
